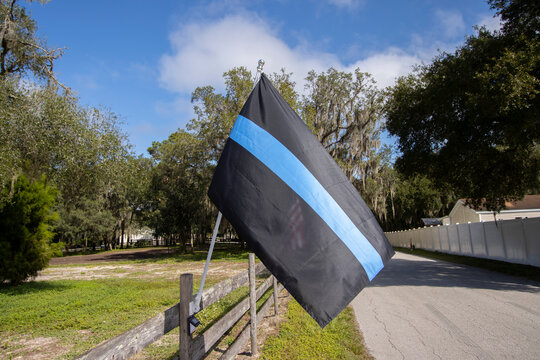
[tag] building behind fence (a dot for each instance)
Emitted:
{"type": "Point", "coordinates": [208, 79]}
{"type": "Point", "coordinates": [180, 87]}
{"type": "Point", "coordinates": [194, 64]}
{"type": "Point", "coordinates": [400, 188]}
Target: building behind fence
{"type": "Point", "coordinates": [516, 241]}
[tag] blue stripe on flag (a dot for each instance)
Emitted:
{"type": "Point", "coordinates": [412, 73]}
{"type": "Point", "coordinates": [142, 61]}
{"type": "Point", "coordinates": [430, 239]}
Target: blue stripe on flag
{"type": "Point", "coordinates": [288, 168]}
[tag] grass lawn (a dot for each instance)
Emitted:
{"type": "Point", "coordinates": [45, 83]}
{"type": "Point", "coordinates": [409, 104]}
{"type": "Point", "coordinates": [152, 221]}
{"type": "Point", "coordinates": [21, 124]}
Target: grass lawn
{"type": "Point", "coordinates": [68, 317]}
{"type": "Point", "coordinates": [79, 314]}
{"type": "Point", "coordinates": [526, 271]}
{"type": "Point", "coordinates": [60, 319]}
{"type": "Point", "coordinates": [167, 346]}
{"type": "Point", "coordinates": [301, 338]}
{"type": "Point", "coordinates": [172, 256]}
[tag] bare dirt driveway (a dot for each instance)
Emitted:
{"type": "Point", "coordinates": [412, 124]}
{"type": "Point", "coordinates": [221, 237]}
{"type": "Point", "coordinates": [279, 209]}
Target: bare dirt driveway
{"type": "Point", "coordinates": [108, 256]}
{"type": "Point", "coordinates": [418, 308]}
{"type": "Point", "coordinates": [121, 264]}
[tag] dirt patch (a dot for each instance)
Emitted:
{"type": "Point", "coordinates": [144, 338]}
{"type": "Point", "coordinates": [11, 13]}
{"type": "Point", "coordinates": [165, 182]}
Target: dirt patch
{"type": "Point", "coordinates": [38, 348]}
{"type": "Point", "coordinates": [217, 269]}
{"type": "Point", "coordinates": [91, 267]}
{"type": "Point", "coordinates": [124, 255]}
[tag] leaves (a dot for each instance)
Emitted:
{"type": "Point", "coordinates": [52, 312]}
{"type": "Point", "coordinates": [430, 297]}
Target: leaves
{"type": "Point", "coordinates": [25, 229]}
{"type": "Point", "coordinates": [469, 120]}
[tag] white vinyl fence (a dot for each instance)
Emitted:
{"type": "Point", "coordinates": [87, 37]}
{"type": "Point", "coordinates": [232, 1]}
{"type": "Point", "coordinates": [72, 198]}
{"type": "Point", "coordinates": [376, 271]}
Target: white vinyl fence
{"type": "Point", "coordinates": [516, 241]}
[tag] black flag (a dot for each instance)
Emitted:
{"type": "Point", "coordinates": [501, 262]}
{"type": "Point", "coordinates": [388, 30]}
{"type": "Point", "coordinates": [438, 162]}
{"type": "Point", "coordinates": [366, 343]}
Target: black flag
{"type": "Point", "coordinates": [292, 204]}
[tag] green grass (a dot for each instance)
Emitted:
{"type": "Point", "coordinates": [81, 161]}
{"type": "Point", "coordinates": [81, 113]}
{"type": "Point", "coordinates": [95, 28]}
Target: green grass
{"type": "Point", "coordinates": [83, 313]}
{"type": "Point", "coordinates": [526, 271]}
{"type": "Point", "coordinates": [232, 255]}
{"type": "Point", "coordinates": [167, 348]}
{"type": "Point", "coordinates": [301, 338]}
{"type": "Point", "coordinates": [61, 309]}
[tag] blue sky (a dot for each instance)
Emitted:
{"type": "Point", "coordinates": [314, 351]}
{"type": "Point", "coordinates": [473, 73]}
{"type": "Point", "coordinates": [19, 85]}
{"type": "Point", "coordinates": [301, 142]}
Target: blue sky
{"type": "Point", "coordinates": [142, 58]}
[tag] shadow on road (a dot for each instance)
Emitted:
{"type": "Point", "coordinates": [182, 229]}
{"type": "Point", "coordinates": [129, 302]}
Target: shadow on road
{"type": "Point", "coordinates": [416, 271]}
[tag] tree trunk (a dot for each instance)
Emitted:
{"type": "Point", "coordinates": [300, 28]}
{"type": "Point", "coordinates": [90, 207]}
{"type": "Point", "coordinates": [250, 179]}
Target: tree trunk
{"type": "Point", "coordinates": [129, 228]}
{"type": "Point", "coordinates": [122, 236]}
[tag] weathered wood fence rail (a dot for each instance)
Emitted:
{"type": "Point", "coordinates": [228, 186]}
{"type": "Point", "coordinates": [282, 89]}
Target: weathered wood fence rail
{"type": "Point", "coordinates": [136, 339]}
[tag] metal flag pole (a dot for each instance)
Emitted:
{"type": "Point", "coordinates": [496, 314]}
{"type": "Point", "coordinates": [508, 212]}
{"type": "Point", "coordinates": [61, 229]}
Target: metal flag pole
{"type": "Point", "coordinates": [195, 306]}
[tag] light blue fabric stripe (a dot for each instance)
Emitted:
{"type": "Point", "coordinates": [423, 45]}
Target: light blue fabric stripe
{"type": "Point", "coordinates": [288, 168]}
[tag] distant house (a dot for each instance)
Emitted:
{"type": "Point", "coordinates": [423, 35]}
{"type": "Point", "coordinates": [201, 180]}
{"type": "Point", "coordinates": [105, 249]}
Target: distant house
{"type": "Point", "coordinates": [432, 221]}
{"type": "Point", "coordinates": [462, 212]}
{"type": "Point", "coordinates": [144, 234]}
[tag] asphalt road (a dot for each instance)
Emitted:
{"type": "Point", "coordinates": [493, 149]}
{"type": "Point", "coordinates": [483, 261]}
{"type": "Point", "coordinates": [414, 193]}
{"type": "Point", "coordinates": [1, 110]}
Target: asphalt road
{"type": "Point", "coordinates": [418, 308]}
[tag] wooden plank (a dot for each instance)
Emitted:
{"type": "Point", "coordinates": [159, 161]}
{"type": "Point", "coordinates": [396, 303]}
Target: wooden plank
{"type": "Point", "coordinates": [133, 340]}
{"type": "Point", "coordinates": [238, 344]}
{"type": "Point", "coordinates": [276, 303]}
{"type": "Point", "coordinates": [186, 294]}
{"type": "Point", "coordinates": [136, 339]}
{"type": "Point", "coordinates": [204, 342]}
{"type": "Point", "coordinates": [218, 291]}
{"type": "Point", "coordinates": [243, 338]}
{"type": "Point", "coordinates": [252, 305]}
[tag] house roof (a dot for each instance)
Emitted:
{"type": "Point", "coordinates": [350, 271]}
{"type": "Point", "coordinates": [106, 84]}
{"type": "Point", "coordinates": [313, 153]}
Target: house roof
{"type": "Point", "coordinates": [528, 202]}
{"type": "Point", "coordinates": [431, 221]}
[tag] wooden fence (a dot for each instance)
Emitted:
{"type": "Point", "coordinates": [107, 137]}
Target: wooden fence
{"type": "Point", "coordinates": [136, 339]}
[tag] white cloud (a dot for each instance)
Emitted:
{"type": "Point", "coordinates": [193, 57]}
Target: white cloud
{"type": "Point", "coordinates": [387, 66]}
{"type": "Point", "coordinates": [491, 22]}
{"type": "Point", "coordinates": [452, 22]}
{"type": "Point", "coordinates": [202, 52]}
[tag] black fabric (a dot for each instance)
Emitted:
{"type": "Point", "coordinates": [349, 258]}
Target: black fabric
{"type": "Point", "coordinates": [293, 242]}
{"type": "Point", "coordinates": [266, 108]}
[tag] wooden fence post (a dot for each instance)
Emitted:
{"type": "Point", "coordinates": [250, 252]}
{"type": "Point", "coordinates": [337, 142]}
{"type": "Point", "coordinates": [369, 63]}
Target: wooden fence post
{"type": "Point", "coordinates": [186, 294]}
{"type": "Point", "coordinates": [253, 304]}
{"type": "Point", "coordinates": [276, 304]}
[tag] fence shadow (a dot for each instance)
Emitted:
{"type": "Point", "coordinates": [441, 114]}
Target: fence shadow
{"type": "Point", "coordinates": [33, 286]}
{"type": "Point", "coordinates": [405, 271]}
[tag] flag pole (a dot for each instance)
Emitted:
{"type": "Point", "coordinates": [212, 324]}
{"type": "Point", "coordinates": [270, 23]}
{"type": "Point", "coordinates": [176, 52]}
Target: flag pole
{"type": "Point", "coordinates": [195, 306]}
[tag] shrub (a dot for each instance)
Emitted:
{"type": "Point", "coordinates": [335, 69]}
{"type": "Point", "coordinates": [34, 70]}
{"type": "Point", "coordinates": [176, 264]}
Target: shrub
{"type": "Point", "coordinates": [25, 221]}
{"type": "Point", "coordinates": [56, 249]}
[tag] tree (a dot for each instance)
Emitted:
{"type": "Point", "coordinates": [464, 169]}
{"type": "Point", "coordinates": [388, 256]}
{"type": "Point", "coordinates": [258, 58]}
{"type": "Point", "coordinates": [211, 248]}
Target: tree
{"type": "Point", "coordinates": [216, 112]}
{"type": "Point", "coordinates": [88, 223]}
{"type": "Point", "coordinates": [344, 110]}
{"type": "Point", "coordinates": [22, 52]}
{"type": "Point", "coordinates": [179, 209]}
{"type": "Point", "coordinates": [25, 229]}
{"type": "Point", "coordinates": [520, 17]}
{"type": "Point", "coordinates": [137, 184]}
{"type": "Point", "coordinates": [81, 151]}
{"type": "Point", "coordinates": [283, 82]}
{"type": "Point", "coordinates": [415, 198]}
{"type": "Point", "coordinates": [179, 182]}
{"type": "Point", "coordinates": [469, 120]}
